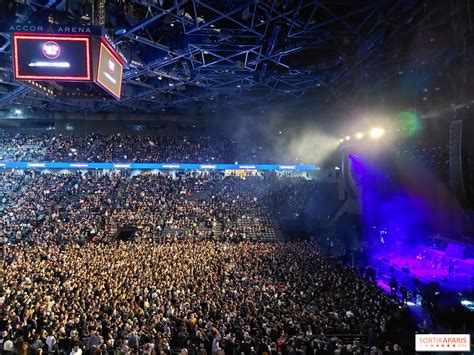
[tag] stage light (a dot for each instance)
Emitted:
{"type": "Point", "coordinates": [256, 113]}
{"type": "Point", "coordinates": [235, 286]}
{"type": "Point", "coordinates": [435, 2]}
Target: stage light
{"type": "Point", "coordinates": [120, 32]}
{"type": "Point", "coordinates": [341, 140]}
{"type": "Point", "coordinates": [359, 135]}
{"type": "Point", "coordinates": [348, 138]}
{"type": "Point", "coordinates": [377, 132]}
{"type": "Point", "coordinates": [18, 112]}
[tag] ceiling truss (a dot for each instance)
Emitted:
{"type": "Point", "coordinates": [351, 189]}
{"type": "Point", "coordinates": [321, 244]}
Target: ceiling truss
{"type": "Point", "coordinates": [196, 53]}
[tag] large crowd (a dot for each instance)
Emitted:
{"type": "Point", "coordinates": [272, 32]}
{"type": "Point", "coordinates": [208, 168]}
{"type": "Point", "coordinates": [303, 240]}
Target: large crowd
{"type": "Point", "coordinates": [206, 297]}
{"type": "Point", "coordinates": [204, 270]}
{"type": "Point", "coordinates": [120, 147]}
{"type": "Point", "coordinates": [69, 286]}
{"type": "Point", "coordinates": [83, 206]}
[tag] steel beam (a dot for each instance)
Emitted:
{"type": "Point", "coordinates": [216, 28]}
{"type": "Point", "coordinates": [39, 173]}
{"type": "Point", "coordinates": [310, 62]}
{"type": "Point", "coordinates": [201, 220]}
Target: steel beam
{"type": "Point", "coordinates": [147, 22]}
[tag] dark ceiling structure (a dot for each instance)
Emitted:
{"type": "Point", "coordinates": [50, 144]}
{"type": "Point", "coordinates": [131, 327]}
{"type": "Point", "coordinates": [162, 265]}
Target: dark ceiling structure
{"type": "Point", "coordinates": [204, 56]}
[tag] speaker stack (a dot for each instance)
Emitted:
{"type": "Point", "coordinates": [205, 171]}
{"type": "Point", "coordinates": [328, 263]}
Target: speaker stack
{"type": "Point", "coordinates": [456, 171]}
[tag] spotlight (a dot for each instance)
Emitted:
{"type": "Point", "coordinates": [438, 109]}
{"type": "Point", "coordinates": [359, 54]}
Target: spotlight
{"type": "Point", "coordinates": [120, 31]}
{"type": "Point", "coordinates": [18, 112]}
{"type": "Point", "coordinates": [377, 132]}
{"type": "Point", "coordinates": [341, 140]}
{"type": "Point", "coordinates": [359, 135]}
{"type": "Point", "coordinates": [348, 138]}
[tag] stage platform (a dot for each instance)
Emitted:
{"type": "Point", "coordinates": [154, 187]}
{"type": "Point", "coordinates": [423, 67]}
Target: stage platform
{"type": "Point", "coordinates": [427, 264]}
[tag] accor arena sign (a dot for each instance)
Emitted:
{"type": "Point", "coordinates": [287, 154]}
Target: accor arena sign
{"type": "Point", "coordinates": [49, 28]}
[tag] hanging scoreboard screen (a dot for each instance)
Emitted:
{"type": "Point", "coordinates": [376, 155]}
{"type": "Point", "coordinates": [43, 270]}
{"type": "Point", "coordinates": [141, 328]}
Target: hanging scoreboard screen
{"type": "Point", "coordinates": [109, 71]}
{"type": "Point", "coordinates": [51, 57]}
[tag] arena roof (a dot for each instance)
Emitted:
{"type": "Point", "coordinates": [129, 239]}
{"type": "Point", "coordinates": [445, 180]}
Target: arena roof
{"type": "Point", "coordinates": [205, 56]}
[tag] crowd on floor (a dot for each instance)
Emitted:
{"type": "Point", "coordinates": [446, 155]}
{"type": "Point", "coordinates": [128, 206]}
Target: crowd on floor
{"type": "Point", "coordinates": [68, 286]}
{"type": "Point", "coordinates": [206, 297]}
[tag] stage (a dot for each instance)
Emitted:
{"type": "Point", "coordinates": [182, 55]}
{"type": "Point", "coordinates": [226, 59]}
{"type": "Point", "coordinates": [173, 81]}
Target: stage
{"type": "Point", "coordinates": [447, 266]}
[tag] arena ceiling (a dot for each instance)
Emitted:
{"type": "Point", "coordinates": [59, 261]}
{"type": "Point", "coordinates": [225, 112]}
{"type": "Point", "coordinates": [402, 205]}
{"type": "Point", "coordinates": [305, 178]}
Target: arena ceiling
{"type": "Point", "coordinates": [202, 56]}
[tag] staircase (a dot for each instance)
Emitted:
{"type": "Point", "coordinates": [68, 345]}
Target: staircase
{"type": "Point", "coordinates": [217, 230]}
{"type": "Point", "coordinates": [119, 194]}
{"type": "Point", "coordinates": [279, 235]}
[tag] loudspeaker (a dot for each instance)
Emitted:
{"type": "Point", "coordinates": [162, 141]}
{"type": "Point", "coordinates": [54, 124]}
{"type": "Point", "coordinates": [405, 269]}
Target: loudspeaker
{"type": "Point", "coordinates": [350, 183]}
{"type": "Point", "coordinates": [456, 176]}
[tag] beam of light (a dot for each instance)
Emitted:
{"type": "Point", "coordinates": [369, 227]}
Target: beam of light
{"type": "Point", "coordinates": [359, 135]}
{"type": "Point", "coordinates": [348, 138]}
{"type": "Point", "coordinates": [377, 132]}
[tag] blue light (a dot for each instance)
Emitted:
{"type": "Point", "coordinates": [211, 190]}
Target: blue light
{"type": "Point", "coordinates": [207, 167]}
{"type": "Point", "coordinates": [122, 166]}
{"type": "Point", "coordinates": [152, 166]}
{"type": "Point", "coordinates": [120, 32]}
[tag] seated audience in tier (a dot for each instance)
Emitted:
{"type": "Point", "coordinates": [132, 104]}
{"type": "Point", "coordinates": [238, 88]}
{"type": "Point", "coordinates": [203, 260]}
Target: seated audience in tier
{"type": "Point", "coordinates": [119, 147]}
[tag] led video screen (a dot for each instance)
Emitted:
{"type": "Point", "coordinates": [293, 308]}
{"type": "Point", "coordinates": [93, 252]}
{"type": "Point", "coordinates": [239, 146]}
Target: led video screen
{"type": "Point", "coordinates": [109, 73]}
{"type": "Point", "coordinates": [51, 57]}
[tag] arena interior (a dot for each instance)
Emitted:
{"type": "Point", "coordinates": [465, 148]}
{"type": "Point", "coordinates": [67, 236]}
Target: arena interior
{"type": "Point", "coordinates": [236, 177]}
